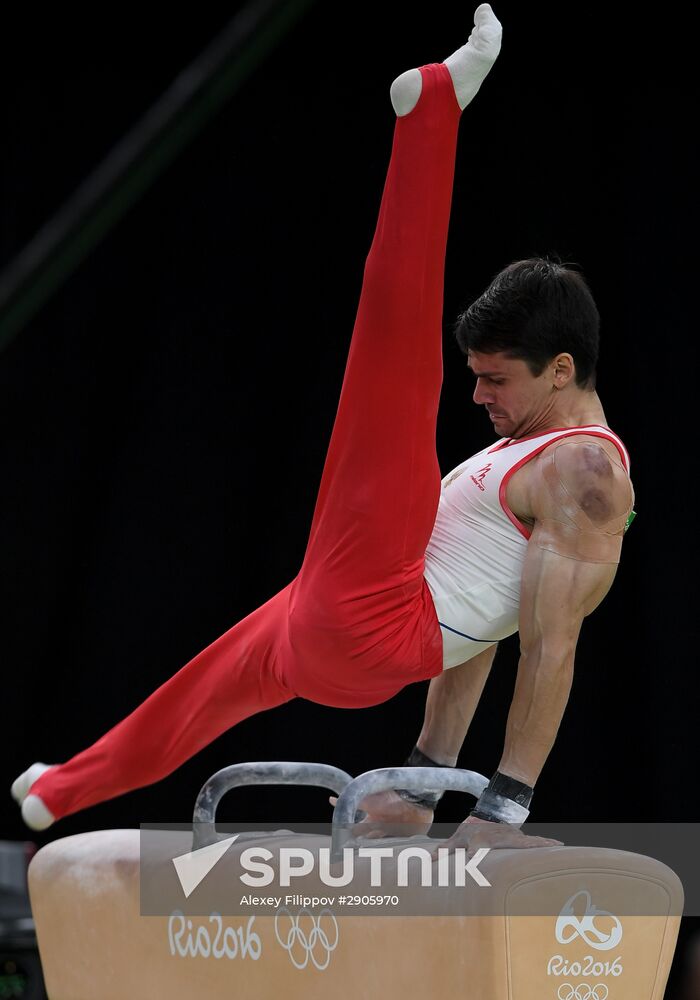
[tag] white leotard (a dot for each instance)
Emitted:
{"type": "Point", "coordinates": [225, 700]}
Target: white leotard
{"type": "Point", "coordinates": [473, 563]}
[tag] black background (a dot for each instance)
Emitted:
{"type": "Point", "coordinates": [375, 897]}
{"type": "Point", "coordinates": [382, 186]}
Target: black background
{"type": "Point", "coordinates": [165, 417]}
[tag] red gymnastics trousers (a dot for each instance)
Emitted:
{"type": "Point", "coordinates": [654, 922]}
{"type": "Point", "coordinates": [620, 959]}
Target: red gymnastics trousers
{"type": "Point", "coordinates": [358, 622]}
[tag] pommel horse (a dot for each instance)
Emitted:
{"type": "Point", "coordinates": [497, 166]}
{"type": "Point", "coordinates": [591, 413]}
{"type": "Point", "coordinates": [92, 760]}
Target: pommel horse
{"type": "Point", "coordinates": [557, 923]}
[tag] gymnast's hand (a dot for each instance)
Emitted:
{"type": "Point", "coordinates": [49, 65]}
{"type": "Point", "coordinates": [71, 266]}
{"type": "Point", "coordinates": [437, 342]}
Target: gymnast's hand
{"type": "Point", "coordinates": [475, 833]}
{"type": "Point", "coordinates": [388, 815]}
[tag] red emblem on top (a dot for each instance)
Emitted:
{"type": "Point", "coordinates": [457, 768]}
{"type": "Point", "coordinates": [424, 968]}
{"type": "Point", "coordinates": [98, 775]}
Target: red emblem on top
{"type": "Point", "coordinates": [478, 479]}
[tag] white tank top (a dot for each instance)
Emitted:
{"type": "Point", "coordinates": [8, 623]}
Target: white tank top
{"type": "Point", "coordinates": [473, 563]}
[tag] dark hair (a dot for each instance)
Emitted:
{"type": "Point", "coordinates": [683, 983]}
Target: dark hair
{"type": "Point", "coordinates": [533, 310]}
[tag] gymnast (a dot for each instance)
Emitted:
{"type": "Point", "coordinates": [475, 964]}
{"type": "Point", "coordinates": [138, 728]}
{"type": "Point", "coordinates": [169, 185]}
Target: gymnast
{"type": "Point", "coordinates": [407, 577]}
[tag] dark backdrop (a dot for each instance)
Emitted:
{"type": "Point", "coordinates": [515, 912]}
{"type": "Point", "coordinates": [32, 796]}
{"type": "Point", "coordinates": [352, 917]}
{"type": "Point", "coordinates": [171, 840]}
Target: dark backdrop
{"type": "Point", "coordinates": [165, 417]}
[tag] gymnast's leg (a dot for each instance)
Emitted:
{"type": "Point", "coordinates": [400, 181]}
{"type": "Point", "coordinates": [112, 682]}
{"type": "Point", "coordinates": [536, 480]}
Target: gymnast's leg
{"type": "Point", "coordinates": [235, 677]}
{"type": "Point", "coordinates": [357, 611]}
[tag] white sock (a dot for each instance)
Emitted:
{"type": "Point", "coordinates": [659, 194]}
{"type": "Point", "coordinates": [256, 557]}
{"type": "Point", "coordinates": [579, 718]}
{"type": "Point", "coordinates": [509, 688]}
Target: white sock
{"type": "Point", "coordinates": [20, 786]}
{"type": "Point", "coordinates": [35, 814]}
{"type": "Point", "coordinates": [468, 66]}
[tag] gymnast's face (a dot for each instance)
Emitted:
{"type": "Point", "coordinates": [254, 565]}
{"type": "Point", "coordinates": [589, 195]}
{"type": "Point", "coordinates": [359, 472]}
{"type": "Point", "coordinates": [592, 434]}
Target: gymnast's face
{"type": "Point", "coordinates": [517, 401]}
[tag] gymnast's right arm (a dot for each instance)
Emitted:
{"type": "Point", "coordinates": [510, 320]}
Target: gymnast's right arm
{"type": "Point", "coordinates": [449, 709]}
{"type": "Point", "coordinates": [452, 699]}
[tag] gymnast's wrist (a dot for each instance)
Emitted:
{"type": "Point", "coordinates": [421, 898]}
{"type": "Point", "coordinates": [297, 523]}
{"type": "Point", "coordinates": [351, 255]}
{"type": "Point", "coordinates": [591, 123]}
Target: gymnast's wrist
{"type": "Point", "coordinates": [504, 800]}
{"type": "Point", "coordinates": [424, 800]}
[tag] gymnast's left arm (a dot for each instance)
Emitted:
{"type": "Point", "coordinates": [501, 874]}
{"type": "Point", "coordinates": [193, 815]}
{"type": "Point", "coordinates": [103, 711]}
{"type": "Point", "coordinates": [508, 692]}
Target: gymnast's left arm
{"type": "Point", "coordinates": [557, 592]}
{"type": "Point", "coordinates": [570, 563]}
{"type": "Point", "coordinates": [580, 500]}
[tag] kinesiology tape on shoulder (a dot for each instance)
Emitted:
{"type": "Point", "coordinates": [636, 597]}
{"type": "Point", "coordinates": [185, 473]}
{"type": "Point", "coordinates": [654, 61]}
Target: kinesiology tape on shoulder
{"type": "Point", "coordinates": [574, 543]}
{"type": "Point", "coordinates": [427, 800]}
{"type": "Point", "coordinates": [504, 800]}
{"type": "Point", "coordinates": [570, 531]}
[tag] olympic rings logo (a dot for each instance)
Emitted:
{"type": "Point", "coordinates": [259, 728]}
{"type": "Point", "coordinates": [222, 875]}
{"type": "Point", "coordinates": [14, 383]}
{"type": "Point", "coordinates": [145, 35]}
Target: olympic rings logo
{"type": "Point", "coordinates": [313, 943]}
{"type": "Point", "coordinates": [583, 992]}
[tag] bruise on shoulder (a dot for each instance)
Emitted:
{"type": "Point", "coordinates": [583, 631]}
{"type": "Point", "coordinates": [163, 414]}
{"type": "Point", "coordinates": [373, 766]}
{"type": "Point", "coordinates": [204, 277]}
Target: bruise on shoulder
{"type": "Point", "coordinates": [589, 497]}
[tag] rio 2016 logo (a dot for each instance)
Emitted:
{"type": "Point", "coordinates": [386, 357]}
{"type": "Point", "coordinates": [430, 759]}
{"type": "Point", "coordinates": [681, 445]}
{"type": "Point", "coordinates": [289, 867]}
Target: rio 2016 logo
{"type": "Point", "coordinates": [603, 936]}
{"type": "Point", "coordinates": [307, 939]}
{"type": "Point", "coordinates": [569, 926]}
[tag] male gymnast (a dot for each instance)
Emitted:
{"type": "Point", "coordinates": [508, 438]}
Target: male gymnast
{"type": "Point", "coordinates": [407, 577]}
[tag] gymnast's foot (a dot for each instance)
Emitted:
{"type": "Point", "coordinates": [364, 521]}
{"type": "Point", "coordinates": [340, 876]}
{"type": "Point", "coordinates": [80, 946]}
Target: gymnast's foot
{"type": "Point", "coordinates": [34, 812]}
{"type": "Point", "coordinates": [468, 66]}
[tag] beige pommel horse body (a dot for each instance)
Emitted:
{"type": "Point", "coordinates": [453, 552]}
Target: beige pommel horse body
{"type": "Point", "coordinates": [561, 923]}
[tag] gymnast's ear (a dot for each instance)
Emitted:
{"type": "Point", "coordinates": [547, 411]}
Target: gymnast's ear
{"type": "Point", "coordinates": [562, 371]}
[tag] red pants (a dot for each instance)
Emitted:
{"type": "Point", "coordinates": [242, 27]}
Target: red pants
{"type": "Point", "coordinates": [358, 623]}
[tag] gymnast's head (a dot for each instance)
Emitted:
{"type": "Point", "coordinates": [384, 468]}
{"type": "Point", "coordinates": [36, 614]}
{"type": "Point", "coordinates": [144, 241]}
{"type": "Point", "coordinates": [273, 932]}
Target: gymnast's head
{"type": "Point", "coordinates": [531, 340]}
{"type": "Point", "coordinates": [534, 310]}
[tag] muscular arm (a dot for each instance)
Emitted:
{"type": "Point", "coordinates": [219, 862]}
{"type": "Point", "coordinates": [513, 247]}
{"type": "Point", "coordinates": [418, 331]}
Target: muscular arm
{"type": "Point", "coordinates": [580, 503]}
{"type": "Point", "coordinates": [555, 591]}
{"type": "Point", "coordinates": [450, 706]}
